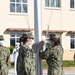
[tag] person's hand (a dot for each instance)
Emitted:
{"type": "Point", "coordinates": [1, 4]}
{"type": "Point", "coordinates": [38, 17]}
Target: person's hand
{"type": "Point", "coordinates": [41, 44]}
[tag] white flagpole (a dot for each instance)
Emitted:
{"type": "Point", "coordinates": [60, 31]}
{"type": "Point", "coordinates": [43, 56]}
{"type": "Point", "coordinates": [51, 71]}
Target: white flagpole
{"type": "Point", "coordinates": [38, 32]}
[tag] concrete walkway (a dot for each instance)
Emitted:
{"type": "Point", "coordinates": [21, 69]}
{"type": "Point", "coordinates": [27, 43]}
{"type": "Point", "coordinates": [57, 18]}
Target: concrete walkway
{"type": "Point", "coordinates": [67, 71]}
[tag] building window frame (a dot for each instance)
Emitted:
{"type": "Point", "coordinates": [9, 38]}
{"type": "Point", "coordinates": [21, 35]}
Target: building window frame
{"type": "Point", "coordinates": [72, 41]}
{"type": "Point", "coordinates": [53, 3]}
{"type": "Point", "coordinates": [18, 6]}
{"type": "Point", "coordinates": [14, 37]}
{"type": "Point", "coordinates": [72, 4]}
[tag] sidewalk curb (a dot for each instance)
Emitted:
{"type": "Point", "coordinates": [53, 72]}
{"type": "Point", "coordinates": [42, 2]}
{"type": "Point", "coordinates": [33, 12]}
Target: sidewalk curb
{"type": "Point", "coordinates": [68, 68]}
{"type": "Point", "coordinates": [64, 68]}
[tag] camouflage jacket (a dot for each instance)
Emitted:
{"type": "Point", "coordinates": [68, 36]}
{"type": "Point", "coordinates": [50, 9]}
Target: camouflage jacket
{"type": "Point", "coordinates": [4, 61]}
{"type": "Point", "coordinates": [54, 57]}
{"type": "Point", "coordinates": [26, 61]}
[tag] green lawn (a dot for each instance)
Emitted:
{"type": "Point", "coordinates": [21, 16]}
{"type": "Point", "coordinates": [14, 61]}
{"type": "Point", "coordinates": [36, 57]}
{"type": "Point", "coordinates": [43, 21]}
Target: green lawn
{"type": "Point", "coordinates": [66, 63]}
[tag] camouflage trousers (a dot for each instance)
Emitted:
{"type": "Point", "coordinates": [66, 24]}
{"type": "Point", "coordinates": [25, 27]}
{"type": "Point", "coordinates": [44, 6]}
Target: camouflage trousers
{"type": "Point", "coordinates": [0, 72]}
{"type": "Point", "coordinates": [3, 71]}
{"type": "Point", "coordinates": [55, 71]}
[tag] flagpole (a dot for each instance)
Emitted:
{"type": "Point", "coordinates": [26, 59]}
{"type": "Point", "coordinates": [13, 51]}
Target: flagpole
{"type": "Point", "coordinates": [38, 33]}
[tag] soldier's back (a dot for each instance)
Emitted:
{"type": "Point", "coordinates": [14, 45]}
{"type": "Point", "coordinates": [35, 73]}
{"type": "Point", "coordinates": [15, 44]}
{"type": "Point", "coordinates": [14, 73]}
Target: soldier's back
{"type": "Point", "coordinates": [4, 60]}
{"type": "Point", "coordinates": [25, 61]}
{"type": "Point", "coordinates": [20, 62]}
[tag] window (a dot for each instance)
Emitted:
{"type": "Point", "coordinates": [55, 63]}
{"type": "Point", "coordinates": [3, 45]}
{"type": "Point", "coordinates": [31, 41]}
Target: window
{"type": "Point", "coordinates": [72, 43]}
{"type": "Point", "coordinates": [14, 37]}
{"type": "Point", "coordinates": [19, 6]}
{"type": "Point", "coordinates": [52, 3]}
{"type": "Point", "coordinates": [72, 3]}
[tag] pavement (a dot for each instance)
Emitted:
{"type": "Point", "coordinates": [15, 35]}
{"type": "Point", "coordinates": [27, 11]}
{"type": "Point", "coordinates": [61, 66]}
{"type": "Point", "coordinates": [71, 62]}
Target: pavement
{"type": "Point", "coordinates": [67, 71]}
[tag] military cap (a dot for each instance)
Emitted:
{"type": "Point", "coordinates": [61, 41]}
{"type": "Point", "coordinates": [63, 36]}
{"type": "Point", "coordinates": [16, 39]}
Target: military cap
{"type": "Point", "coordinates": [54, 35]}
{"type": "Point", "coordinates": [28, 35]}
{"type": "Point", "coordinates": [1, 37]}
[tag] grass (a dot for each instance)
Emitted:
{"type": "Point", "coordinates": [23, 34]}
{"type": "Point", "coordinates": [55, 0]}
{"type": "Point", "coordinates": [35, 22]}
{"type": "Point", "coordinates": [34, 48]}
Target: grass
{"type": "Point", "coordinates": [66, 63]}
{"type": "Point", "coordinates": [69, 63]}
{"type": "Point", "coordinates": [44, 64]}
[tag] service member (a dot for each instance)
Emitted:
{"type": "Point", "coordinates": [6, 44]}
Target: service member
{"type": "Point", "coordinates": [15, 55]}
{"type": "Point", "coordinates": [26, 57]}
{"type": "Point", "coordinates": [4, 58]}
{"type": "Point", "coordinates": [53, 55]}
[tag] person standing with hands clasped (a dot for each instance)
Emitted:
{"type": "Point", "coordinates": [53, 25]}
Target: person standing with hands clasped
{"type": "Point", "coordinates": [15, 55]}
{"type": "Point", "coordinates": [4, 58]}
{"type": "Point", "coordinates": [53, 54]}
{"type": "Point", "coordinates": [26, 57]}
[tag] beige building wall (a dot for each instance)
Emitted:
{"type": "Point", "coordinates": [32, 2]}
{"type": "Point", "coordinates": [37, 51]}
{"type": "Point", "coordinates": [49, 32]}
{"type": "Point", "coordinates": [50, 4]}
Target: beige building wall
{"type": "Point", "coordinates": [51, 17]}
{"type": "Point", "coordinates": [14, 20]}
{"type": "Point", "coordinates": [60, 19]}
{"type": "Point", "coordinates": [57, 18]}
{"type": "Point", "coordinates": [68, 16]}
{"type": "Point", "coordinates": [68, 55]}
{"type": "Point", "coordinates": [68, 24]}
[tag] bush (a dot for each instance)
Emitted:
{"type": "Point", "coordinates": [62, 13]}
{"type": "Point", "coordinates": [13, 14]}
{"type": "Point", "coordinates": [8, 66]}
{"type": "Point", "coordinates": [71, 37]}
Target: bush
{"type": "Point", "coordinates": [11, 49]}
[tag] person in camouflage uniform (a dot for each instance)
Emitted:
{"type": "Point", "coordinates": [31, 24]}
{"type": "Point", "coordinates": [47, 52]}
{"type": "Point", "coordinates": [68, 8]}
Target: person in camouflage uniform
{"type": "Point", "coordinates": [53, 55]}
{"type": "Point", "coordinates": [26, 57]}
{"type": "Point", "coordinates": [4, 58]}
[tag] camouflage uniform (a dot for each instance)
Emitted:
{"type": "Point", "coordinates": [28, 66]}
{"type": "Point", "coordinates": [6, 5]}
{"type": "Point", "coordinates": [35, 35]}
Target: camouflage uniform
{"type": "Point", "coordinates": [54, 57]}
{"type": "Point", "coordinates": [26, 61]}
{"type": "Point", "coordinates": [4, 60]}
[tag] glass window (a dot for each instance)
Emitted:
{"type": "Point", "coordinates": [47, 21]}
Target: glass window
{"type": "Point", "coordinates": [72, 43]}
{"type": "Point", "coordinates": [46, 3]}
{"type": "Point", "coordinates": [12, 7]}
{"type": "Point", "coordinates": [52, 3]}
{"type": "Point", "coordinates": [14, 37]}
{"type": "Point", "coordinates": [19, 6]}
{"type": "Point", "coordinates": [24, 1]}
{"type": "Point", "coordinates": [18, 0]}
{"type": "Point", "coordinates": [12, 0]}
{"type": "Point", "coordinates": [58, 3]}
{"type": "Point", "coordinates": [12, 42]}
{"type": "Point", "coordinates": [25, 8]}
{"type": "Point", "coordinates": [72, 3]}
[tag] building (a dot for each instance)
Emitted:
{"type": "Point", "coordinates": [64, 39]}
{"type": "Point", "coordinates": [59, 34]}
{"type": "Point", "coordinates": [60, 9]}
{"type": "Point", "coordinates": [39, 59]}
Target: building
{"type": "Point", "coordinates": [17, 17]}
